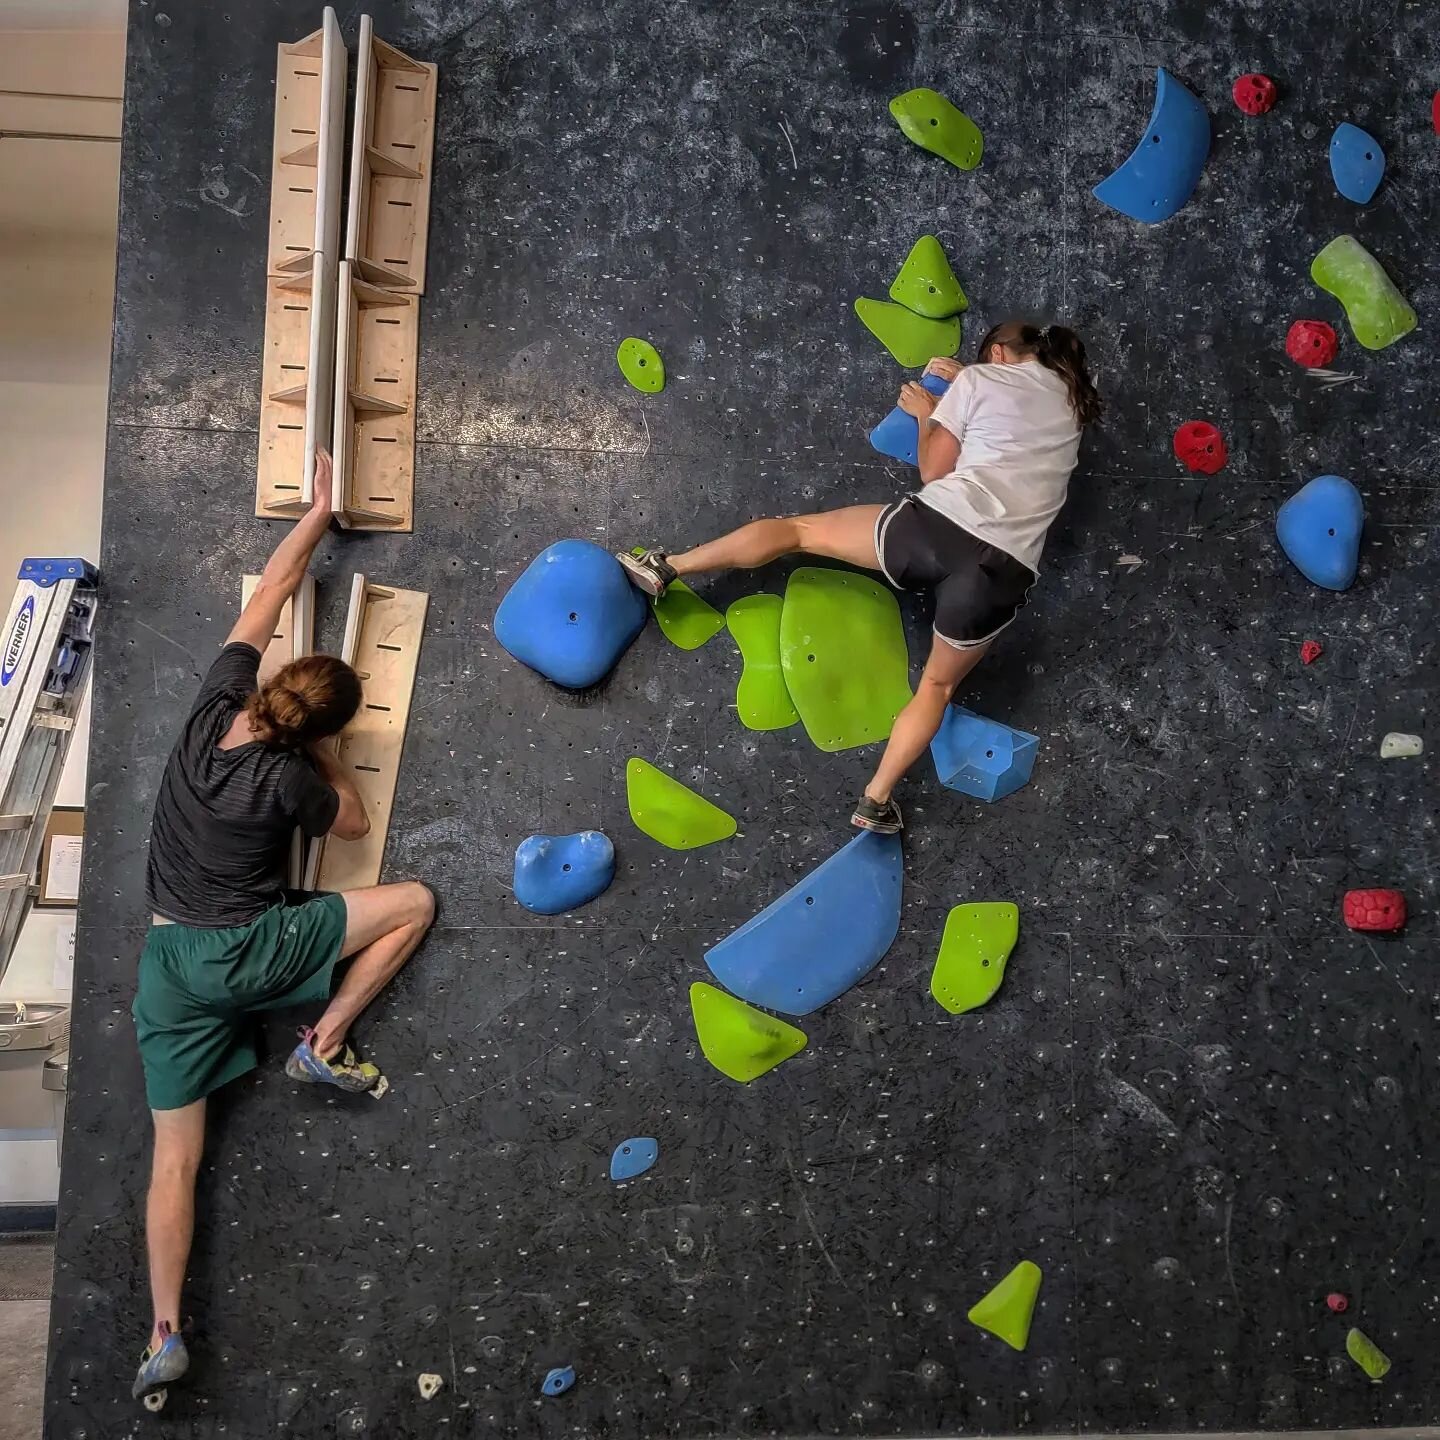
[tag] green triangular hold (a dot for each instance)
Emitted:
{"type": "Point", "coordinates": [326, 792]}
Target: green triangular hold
{"type": "Point", "coordinates": [670, 812]}
{"type": "Point", "coordinates": [641, 365]}
{"type": "Point", "coordinates": [976, 944]}
{"type": "Point", "coordinates": [934, 124]}
{"type": "Point", "coordinates": [927, 284]}
{"type": "Point", "coordinates": [1007, 1309]}
{"type": "Point", "coordinates": [739, 1040]}
{"type": "Point", "coordinates": [761, 697]}
{"type": "Point", "coordinates": [1367, 1354]}
{"type": "Point", "coordinates": [911, 339]}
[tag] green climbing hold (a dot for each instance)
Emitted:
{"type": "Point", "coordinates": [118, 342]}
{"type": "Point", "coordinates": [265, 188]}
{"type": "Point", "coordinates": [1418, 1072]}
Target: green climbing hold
{"type": "Point", "coordinates": [934, 124]}
{"type": "Point", "coordinates": [910, 338]}
{"type": "Point", "coordinates": [1007, 1309]}
{"type": "Point", "coordinates": [1378, 313]}
{"type": "Point", "coordinates": [927, 284]}
{"type": "Point", "coordinates": [641, 365]}
{"type": "Point", "coordinates": [976, 944]}
{"type": "Point", "coordinates": [1367, 1354]}
{"type": "Point", "coordinates": [739, 1040]}
{"type": "Point", "coordinates": [670, 812]}
{"type": "Point", "coordinates": [842, 650]}
{"type": "Point", "coordinates": [761, 697]}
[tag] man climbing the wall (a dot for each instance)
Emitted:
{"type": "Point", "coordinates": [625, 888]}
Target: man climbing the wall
{"type": "Point", "coordinates": [251, 765]}
{"type": "Point", "coordinates": [996, 454]}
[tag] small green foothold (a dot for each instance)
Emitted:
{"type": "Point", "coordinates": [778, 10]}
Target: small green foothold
{"type": "Point", "coordinates": [761, 697]}
{"type": "Point", "coordinates": [670, 812]}
{"type": "Point", "coordinates": [934, 124]}
{"type": "Point", "coordinates": [739, 1040]}
{"type": "Point", "coordinates": [911, 339]}
{"type": "Point", "coordinates": [1378, 313]}
{"type": "Point", "coordinates": [641, 365]}
{"type": "Point", "coordinates": [927, 284]}
{"type": "Point", "coordinates": [976, 944]}
{"type": "Point", "coordinates": [687, 620]}
{"type": "Point", "coordinates": [1007, 1310]}
{"type": "Point", "coordinates": [1367, 1354]}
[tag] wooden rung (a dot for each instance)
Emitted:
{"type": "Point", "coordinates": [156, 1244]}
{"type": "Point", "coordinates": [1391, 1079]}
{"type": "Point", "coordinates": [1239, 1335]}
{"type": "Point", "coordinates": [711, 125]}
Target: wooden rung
{"type": "Point", "coordinates": [49, 720]}
{"type": "Point", "coordinates": [379, 516]}
{"type": "Point", "coordinates": [382, 164]}
{"type": "Point", "coordinates": [16, 822]}
{"type": "Point", "coordinates": [311, 45]}
{"type": "Point", "coordinates": [295, 395]}
{"type": "Point", "coordinates": [372, 405]}
{"type": "Point", "coordinates": [305, 155]}
{"type": "Point", "coordinates": [383, 277]}
{"type": "Point", "coordinates": [300, 264]}
{"type": "Point", "coordinates": [393, 59]}
{"type": "Point", "coordinates": [21, 882]}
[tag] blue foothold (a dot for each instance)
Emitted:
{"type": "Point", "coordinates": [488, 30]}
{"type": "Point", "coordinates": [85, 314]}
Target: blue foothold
{"type": "Point", "coordinates": [1319, 527]}
{"type": "Point", "coordinates": [982, 757]}
{"type": "Point", "coordinates": [558, 1381]}
{"type": "Point", "coordinates": [898, 434]}
{"type": "Point", "coordinates": [1357, 162]}
{"type": "Point", "coordinates": [1164, 168]}
{"type": "Point", "coordinates": [633, 1157]}
{"type": "Point", "coordinates": [571, 615]}
{"type": "Point", "coordinates": [559, 872]}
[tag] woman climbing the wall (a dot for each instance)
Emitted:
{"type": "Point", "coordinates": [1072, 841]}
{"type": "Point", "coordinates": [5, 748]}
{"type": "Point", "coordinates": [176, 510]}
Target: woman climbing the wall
{"type": "Point", "coordinates": [996, 453]}
{"type": "Point", "coordinates": [251, 765]}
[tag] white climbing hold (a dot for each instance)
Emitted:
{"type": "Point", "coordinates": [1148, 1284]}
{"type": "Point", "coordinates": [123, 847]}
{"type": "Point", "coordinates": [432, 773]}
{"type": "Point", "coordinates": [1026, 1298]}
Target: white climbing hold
{"type": "Point", "coordinates": [1129, 561]}
{"type": "Point", "coordinates": [379, 1089]}
{"type": "Point", "coordinates": [430, 1386]}
{"type": "Point", "coordinates": [1399, 746]}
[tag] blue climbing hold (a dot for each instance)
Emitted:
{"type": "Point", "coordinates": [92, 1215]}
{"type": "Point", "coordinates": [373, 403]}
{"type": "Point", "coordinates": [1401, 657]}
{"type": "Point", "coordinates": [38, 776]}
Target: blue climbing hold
{"type": "Point", "coordinates": [571, 615]}
{"type": "Point", "coordinates": [1319, 527]}
{"type": "Point", "coordinates": [1164, 168]}
{"type": "Point", "coordinates": [898, 434]}
{"type": "Point", "coordinates": [559, 872]}
{"type": "Point", "coordinates": [820, 937]}
{"type": "Point", "coordinates": [558, 1380]}
{"type": "Point", "coordinates": [1357, 162]}
{"type": "Point", "coordinates": [633, 1157]}
{"type": "Point", "coordinates": [982, 757]}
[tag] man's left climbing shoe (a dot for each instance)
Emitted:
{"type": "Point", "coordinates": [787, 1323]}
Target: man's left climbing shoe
{"type": "Point", "coordinates": [343, 1070]}
{"type": "Point", "coordinates": [162, 1367]}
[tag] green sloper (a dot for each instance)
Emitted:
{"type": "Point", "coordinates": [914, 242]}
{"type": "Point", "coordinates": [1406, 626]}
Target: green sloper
{"type": "Point", "coordinates": [761, 698]}
{"type": "Point", "coordinates": [1367, 1354]}
{"type": "Point", "coordinates": [842, 650]}
{"type": "Point", "coordinates": [977, 942]}
{"type": "Point", "coordinates": [1378, 313]}
{"type": "Point", "coordinates": [641, 365]}
{"type": "Point", "coordinates": [910, 338]}
{"type": "Point", "coordinates": [670, 812]}
{"type": "Point", "coordinates": [927, 284]}
{"type": "Point", "coordinates": [934, 124]}
{"type": "Point", "coordinates": [1007, 1310]}
{"type": "Point", "coordinates": [739, 1040]}
{"type": "Point", "coordinates": [687, 620]}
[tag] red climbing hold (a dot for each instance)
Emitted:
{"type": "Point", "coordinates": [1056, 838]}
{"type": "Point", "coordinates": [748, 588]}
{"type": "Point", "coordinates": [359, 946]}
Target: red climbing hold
{"type": "Point", "coordinates": [1310, 652]}
{"type": "Point", "coordinates": [1200, 447]}
{"type": "Point", "coordinates": [1435, 112]}
{"type": "Point", "coordinates": [1337, 1302]}
{"type": "Point", "coordinates": [1311, 343]}
{"type": "Point", "coordinates": [1254, 94]}
{"type": "Point", "coordinates": [1374, 909]}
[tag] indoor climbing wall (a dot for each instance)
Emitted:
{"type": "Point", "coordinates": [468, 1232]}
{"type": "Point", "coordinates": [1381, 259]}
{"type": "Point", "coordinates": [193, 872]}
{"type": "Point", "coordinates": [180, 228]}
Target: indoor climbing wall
{"type": "Point", "coordinates": [1197, 1103]}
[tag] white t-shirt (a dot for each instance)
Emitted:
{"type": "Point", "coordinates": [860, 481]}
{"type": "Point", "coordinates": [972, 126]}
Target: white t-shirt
{"type": "Point", "coordinates": [1019, 441]}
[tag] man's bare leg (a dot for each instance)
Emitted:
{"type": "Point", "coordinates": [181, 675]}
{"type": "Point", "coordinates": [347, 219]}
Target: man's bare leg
{"type": "Point", "coordinates": [847, 535]}
{"type": "Point", "coordinates": [170, 1209]}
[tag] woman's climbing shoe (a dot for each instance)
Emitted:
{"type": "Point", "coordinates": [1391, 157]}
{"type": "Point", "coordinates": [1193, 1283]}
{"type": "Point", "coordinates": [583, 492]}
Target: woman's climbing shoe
{"type": "Point", "coordinates": [883, 819]}
{"type": "Point", "coordinates": [159, 1368]}
{"type": "Point", "coordinates": [343, 1070]}
{"type": "Point", "coordinates": [649, 571]}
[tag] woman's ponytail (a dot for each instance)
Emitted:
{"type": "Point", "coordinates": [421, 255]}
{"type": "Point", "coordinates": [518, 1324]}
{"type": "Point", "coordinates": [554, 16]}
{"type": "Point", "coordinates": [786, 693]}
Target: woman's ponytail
{"type": "Point", "coordinates": [305, 701]}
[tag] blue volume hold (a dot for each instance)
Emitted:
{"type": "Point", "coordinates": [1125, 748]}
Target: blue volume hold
{"type": "Point", "coordinates": [1164, 168]}
{"type": "Point", "coordinates": [633, 1157]}
{"type": "Point", "coordinates": [1319, 527]}
{"type": "Point", "coordinates": [820, 937]}
{"type": "Point", "coordinates": [898, 434]}
{"type": "Point", "coordinates": [559, 872]}
{"type": "Point", "coordinates": [558, 1380]}
{"type": "Point", "coordinates": [1357, 162]}
{"type": "Point", "coordinates": [571, 615]}
{"type": "Point", "coordinates": [982, 757]}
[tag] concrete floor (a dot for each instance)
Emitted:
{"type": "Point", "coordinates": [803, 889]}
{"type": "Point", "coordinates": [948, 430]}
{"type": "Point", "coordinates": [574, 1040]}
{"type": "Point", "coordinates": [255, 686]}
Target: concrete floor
{"type": "Point", "coordinates": [25, 1271]}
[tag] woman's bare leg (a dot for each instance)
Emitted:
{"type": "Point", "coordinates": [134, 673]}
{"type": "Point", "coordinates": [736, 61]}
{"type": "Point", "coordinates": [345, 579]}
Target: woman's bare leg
{"type": "Point", "coordinates": [847, 535]}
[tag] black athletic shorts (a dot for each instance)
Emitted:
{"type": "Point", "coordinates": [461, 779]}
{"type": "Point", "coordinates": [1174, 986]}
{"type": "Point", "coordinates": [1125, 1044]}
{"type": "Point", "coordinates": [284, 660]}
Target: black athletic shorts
{"type": "Point", "coordinates": [978, 589]}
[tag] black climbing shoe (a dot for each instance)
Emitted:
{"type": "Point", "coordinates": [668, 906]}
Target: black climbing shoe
{"type": "Point", "coordinates": [649, 571]}
{"type": "Point", "coordinates": [882, 819]}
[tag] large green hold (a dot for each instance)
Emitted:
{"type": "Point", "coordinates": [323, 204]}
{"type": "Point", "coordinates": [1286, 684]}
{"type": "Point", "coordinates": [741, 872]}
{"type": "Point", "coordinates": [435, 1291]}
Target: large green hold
{"type": "Point", "coordinates": [641, 365]}
{"type": "Point", "coordinates": [926, 284]}
{"type": "Point", "coordinates": [1378, 313]}
{"type": "Point", "coordinates": [761, 698]}
{"type": "Point", "coordinates": [670, 812]}
{"type": "Point", "coordinates": [976, 944]}
{"type": "Point", "coordinates": [1367, 1354]}
{"type": "Point", "coordinates": [910, 338]}
{"type": "Point", "coordinates": [739, 1040]}
{"type": "Point", "coordinates": [687, 620]}
{"type": "Point", "coordinates": [934, 124]}
{"type": "Point", "coordinates": [1007, 1310]}
{"type": "Point", "coordinates": [842, 649]}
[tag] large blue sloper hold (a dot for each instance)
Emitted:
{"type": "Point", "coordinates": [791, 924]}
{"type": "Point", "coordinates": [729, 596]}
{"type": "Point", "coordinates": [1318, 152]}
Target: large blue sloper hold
{"type": "Point", "coordinates": [898, 434]}
{"type": "Point", "coordinates": [1319, 527]}
{"type": "Point", "coordinates": [571, 615]}
{"type": "Point", "coordinates": [1164, 168]}
{"type": "Point", "coordinates": [1357, 162]}
{"type": "Point", "coordinates": [554, 873]}
{"type": "Point", "coordinates": [982, 757]}
{"type": "Point", "coordinates": [821, 937]}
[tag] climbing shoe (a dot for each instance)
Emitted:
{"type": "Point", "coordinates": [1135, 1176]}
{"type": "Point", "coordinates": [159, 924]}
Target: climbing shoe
{"type": "Point", "coordinates": [159, 1368]}
{"type": "Point", "coordinates": [342, 1070]}
{"type": "Point", "coordinates": [883, 819]}
{"type": "Point", "coordinates": [649, 571]}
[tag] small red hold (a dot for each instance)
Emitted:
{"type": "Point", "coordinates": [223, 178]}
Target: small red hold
{"type": "Point", "coordinates": [1310, 652]}
{"type": "Point", "coordinates": [1311, 343]}
{"type": "Point", "coordinates": [1375, 909]}
{"type": "Point", "coordinates": [1199, 446]}
{"type": "Point", "coordinates": [1435, 112]}
{"type": "Point", "coordinates": [1254, 94]}
{"type": "Point", "coordinates": [1337, 1302]}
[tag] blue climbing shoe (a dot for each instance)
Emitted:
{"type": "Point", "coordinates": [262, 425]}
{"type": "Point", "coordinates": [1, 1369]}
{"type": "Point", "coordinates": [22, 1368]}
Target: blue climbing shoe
{"type": "Point", "coordinates": [343, 1071]}
{"type": "Point", "coordinates": [162, 1367]}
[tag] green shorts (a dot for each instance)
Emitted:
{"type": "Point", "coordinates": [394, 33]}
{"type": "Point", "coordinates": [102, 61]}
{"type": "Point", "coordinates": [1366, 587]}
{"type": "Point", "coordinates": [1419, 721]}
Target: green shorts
{"type": "Point", "coordinates": [198, 986]}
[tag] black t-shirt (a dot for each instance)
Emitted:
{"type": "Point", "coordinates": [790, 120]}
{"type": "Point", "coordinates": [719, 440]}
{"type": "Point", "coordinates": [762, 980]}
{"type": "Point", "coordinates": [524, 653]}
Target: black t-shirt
{"type": "Point", "coordinates": [223, 818]}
